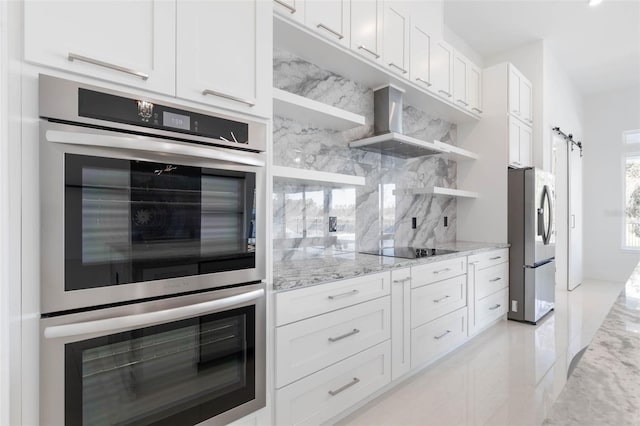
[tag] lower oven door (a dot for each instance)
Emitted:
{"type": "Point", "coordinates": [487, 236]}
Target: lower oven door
{"type": "Point", "coordinates": [185, 360]}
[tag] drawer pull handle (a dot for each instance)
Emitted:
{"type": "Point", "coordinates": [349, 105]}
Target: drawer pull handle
{"type": "Point", "coordinates": [341, 295]}
{"type": "Point", "coordinates": [249, 102]}
{"type": "Point", "coordinates": [442, 335]}
{"type": "Point", "coordinates": [351, 333]}
{"type": "Point", "coordinates": [441, 299]}
{"type": "Point", "coordinates": [75, 57]}
{"type": "Point", "coordinates": [355, 381]}
{"type": "Point", "coordinates": [493, 308]}
{"type": "Point", "coordinates": [404, 280]}
{"type": "Point", "coordinates": [499, 257]}
{"type": "Point", "coordinates": [422, 80]}
{"type": "Point", "coordinates": [478, 110]}
{"type": "Point", "coordinates": [402, 70]}
{"type": "Point", "coordinates": [495, 279]}
{"type": "Point", "coordinates": [442, 270]}
{"type": "Point", "coordinates": [335, 33]}
{"type": "Point", "coordinates": [444, 92]}
{"type": "Point", "coordinates": [369, 51]}
{"type": "Point", "coordinates": [460, 101]}
{"type": "Point", "coordinates": [288, 6]}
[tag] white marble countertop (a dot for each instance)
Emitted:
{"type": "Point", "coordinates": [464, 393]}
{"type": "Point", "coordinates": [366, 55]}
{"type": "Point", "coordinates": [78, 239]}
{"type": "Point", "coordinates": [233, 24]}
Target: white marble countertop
{"type": "Point", "coordinates": [311, 266]}
{"type": "Point", "coordinates": [604, 387]}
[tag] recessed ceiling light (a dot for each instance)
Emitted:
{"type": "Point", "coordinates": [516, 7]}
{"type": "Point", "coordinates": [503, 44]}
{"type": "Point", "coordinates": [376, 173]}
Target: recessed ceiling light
{"type": "Point", "coordinates": [594, 2]}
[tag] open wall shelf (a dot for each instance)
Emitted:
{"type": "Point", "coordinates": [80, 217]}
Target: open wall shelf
{"type": "Point", "coordinates": [314, 177]}
{"type": "Point", "coordinates": [437, 190]}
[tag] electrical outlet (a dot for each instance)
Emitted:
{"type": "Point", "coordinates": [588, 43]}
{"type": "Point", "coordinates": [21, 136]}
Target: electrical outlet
{"type": "Point", "coordinates": [414, 223]}
{"type": "Point", "coordinates": [446, 221]}
{"type": "Point", "coordinates": [514, 306]}
{"type": "Point", "coordinates": [333, 223]}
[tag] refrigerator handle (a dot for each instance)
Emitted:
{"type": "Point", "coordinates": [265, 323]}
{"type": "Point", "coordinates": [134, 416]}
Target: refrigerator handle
{"type": "Point", "coordinates": [546, 233]}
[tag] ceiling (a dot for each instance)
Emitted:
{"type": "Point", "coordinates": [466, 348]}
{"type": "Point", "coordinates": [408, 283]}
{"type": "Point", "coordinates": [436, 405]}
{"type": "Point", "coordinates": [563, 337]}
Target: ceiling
{"type": "Point", "coordinates": [599, 47]}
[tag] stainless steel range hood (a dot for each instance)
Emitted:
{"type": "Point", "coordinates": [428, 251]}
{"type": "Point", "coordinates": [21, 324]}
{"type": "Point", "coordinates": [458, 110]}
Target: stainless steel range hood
{"type": "Point", "coordinates": [388, 139]}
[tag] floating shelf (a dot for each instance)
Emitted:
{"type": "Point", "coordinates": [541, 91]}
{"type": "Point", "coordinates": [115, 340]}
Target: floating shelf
{"type": "Point", "coordinates": [398, 145]}
{"type": "Point", "coordinates": [315, 177]}
{"type": "Point", "coordinates": [308, 111]}
{"type": "Point", "coordinates": [437, 190]}
{"type": "Point", "coordinates": [456, 153]}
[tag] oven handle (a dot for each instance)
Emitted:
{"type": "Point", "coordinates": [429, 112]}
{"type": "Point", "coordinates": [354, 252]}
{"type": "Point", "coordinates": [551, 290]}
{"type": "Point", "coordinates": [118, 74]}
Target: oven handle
{"type": "Point", "coordinates": [111, 325]}
{"type": "Point", "coordinates": [158, 145]}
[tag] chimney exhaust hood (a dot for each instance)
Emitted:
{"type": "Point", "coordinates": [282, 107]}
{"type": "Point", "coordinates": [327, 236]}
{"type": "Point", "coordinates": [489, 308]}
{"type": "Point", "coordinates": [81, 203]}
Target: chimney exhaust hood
{"type": "Point", "coordinates": [388, 139]}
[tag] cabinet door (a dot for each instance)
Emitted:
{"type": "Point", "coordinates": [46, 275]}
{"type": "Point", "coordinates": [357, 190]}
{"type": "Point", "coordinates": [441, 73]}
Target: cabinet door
{"type": "Point", "coordinates": [330, 18]}
{"type": "Point", "coordinates": [514, 143]}
{"type": "Point", "coordinates": [396, 38]}
{"type": "Point", "coordinates": [292, 9]}
{"type": "Point", "coordinates": [460, 70]}
{"type": "Point", "coordinates": [474, 89]}
{"type": "Point", "coordinates": [525, 101]}
{"type": "Point", "coordinates": [442, 69]}
{"type": "Point", "coordinates": [514, 91]}
{"type": "Point", "coordinates": [400, 322]}
{"type": "Point", "coordinates": [131, 43]}
{"type": "Point", "coordinates": [366, 29]}
{"type": "Point", "coordinates": [525, 140]}
{"type": "Point", "coordinates": [420, 69]}
{"type": "Point", "coordinates": [224, 51]}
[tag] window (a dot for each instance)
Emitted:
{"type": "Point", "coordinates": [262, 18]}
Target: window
{"type": "Point", "coordinates": [631, 185]}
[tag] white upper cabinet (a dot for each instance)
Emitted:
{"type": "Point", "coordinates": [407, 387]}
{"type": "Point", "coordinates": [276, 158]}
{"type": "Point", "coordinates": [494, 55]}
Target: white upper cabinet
{"type": "Point", "coordinates": [460, 72]}
{"type": "Point", "coordinates": [366, 28]}
{"type": "Point", "coordinates": [293, 9]}
{"type": "Point", "coordinates": [396, 38]}
{"type": "Point", "coordinates": [426, 28]}
{"type": "Point", "coordinates": [131, 43]}
{"type": "Point", "coordinates": [474, 89]}
{"type": "Point", "coordinates": [520, 144]}
{"type": "Point", "coordinates": [520, 96]}
{"type": "Point", "coordinates": [329, 18]}
{"type": "Point", "coordinates": [442, 69]}
{"type": "Point", "coordinates": [224, 54]}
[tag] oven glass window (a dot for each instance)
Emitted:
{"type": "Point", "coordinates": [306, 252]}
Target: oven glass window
{"type": "Point", "coordinates": [130, 221]}
{"type": "Point", "coordinates": [180, 373]}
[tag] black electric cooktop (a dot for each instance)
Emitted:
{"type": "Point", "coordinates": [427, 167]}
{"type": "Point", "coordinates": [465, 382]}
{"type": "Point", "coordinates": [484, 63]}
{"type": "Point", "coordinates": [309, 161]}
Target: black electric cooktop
{"type": "Point", "coordinates": [408, 252]}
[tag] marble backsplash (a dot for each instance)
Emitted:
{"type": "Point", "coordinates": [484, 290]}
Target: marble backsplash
{"type": "Point", "coordinates": [378, 213]}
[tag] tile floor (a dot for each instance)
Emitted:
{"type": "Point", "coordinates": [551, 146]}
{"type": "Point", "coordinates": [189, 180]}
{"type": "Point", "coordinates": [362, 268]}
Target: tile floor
{"type": "Point", "coordinates": [508, 375]}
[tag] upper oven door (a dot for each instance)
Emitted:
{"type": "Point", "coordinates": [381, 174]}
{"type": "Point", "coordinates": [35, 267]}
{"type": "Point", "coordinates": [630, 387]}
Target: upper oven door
{"type": "Point", "coordinates": [159, 217]}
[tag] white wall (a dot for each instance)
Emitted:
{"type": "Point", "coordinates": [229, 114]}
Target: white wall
{"type": "Point", "coordinates": [606, 117]}
{"type": "Point", "coordinates": [459, 44]}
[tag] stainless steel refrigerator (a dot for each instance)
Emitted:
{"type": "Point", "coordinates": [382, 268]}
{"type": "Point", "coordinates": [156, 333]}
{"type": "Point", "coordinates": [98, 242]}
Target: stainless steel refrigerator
{"type": "Point", "coordinates": [533, 244]}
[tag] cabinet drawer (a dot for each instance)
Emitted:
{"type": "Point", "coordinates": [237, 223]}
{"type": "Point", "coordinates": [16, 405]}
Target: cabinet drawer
{"type": "Point", "coordinates": [321, 396]}
{"type": "Point", "coordinates": [435, 300]}
{"type": "Point", "coordinates": [491, 279]}
{"type": "Point", "coordinates": [489, 258]}
{"type": "Point", "coordinates": [438, 337]}
{"type": "Point", "coordinates": [305, 347]}
{"type": "Point", "coordinates": [437, 271]}
{"type": "Point", "coordinates": [491, 307]}
{"type": "Point", "coordinates": [295, 305]}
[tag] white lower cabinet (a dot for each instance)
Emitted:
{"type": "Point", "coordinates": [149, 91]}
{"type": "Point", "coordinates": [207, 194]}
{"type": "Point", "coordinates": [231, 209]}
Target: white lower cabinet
{"type": "Point", "coordinates": [488, 288]}
{"type": "Point", "coordinates": [326, 393]}
{"type": "Point", "coordinates": [492, 307]}
{"type": "Point", "coordinates": [431, 340]}
{"type": "Point", "coordinates": [434, 300]}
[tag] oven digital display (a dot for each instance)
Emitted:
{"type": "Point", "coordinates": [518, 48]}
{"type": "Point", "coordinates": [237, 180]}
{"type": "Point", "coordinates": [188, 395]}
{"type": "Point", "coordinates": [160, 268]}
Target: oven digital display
{"type": "Point", "coordinates": [176, 121]}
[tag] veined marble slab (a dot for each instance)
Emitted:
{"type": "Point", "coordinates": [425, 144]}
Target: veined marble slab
{"type": "Point", "coordinates": [604, 388]}
{"type": "Point", "coordinates": [312, 266]}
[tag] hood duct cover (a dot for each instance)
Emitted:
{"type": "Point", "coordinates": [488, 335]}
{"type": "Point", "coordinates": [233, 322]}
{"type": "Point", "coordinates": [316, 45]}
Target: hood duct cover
{"type": "Point", "coordinates": [388, 139]}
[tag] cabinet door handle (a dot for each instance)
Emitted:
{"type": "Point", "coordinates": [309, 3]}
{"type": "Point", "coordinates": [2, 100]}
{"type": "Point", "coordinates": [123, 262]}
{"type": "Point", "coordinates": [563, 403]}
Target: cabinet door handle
{"type": "Point", "coordinates": [351, 333]}
{"type": "Point", "coordinates": [441, 299]}
{"type": "Point", "coordinates": [402, 70]}
{"type": "Point", "coordinates": [442, 335]}
{"type": "Point", "coordinates": [460, 101]}
{"type": "Point", "coordinates": [404, 280]}
{"type": "Point", "coordinates": [500, 257]}
{"type": "Point", "coordinates": [286, 5]}
{"type": "Point", "coordinates": [335, 33]}
{"type": "Point", "coordinates": [75, 57]}
{"type": "Point", "coordinates": [371, 52]}
{"type": "Point", "coordinates": [355, 381]}
{"type": "Point", "coordinates": [478, 110]}
{"type": "Point", "coordinates": [495, 280]}
{"type": "Point", "coordinates": [515, 111]}
{"type": "Point", "coordinates": [341, 295]}
{"type": "Point", "coordinates": [441, 270]}
{"type": "Point", "coordinates": [249, 102]}
{"type": "Point", "coordinates": [422, 80]}
{"type": "Point", "coordinates": [493, 308]}
{"type": "Point", "coordinates": [444, 92]}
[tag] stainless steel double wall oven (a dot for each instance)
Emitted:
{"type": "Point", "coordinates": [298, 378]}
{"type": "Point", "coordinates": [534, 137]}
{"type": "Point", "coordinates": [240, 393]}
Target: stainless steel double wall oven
{"type": "Point", "coordinates": [152, 260]}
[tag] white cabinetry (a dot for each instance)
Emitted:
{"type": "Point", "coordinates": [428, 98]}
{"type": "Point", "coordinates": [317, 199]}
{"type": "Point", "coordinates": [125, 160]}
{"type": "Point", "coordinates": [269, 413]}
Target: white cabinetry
{"type": "Point", "coordinates": [460, 72]}
{"type": "Point", "coordinates": [426, 30]}
{"type": "Point", "coordinates": [520, 99]}
{"type": "Point", "coordinates": [520, 142]}
{"type": "Point", "coordinates": [442, 69]}
{"type": "Point", "coordinates": [330, 18]}
{"type": "Point", "coordinates": [224, 54]}
{"type": "Point", "coordinates": [396, 38]}
{"type": "Point", "coordinates": [400, 322]}
{"type": "Point", "coordinates": [431, 340]}
{"type": "Point", "coordinates": [131, 43]}
{"type": "Point", "coordinates": [293, 9]}
{"type": "Point", "coordinates": [474, 88]}
{"type": "Point", "coordinates": [366, 28]}
{"type": "Point", "coordinates": [488, 288]}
